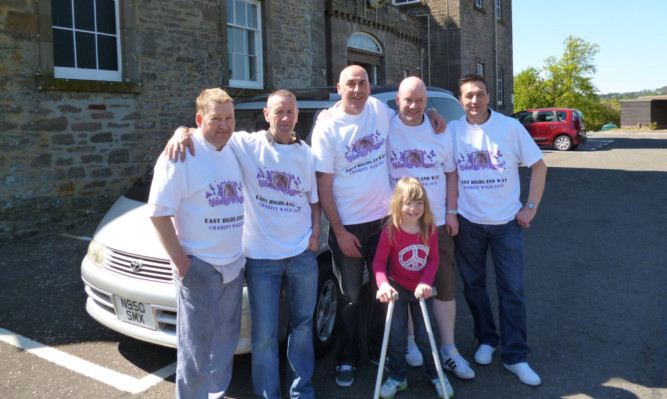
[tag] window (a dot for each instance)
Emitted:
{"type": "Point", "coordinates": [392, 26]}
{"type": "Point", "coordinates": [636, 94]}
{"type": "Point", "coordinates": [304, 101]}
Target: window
{"type": "Point", "coordinates": [364, 42]}
{"type": "Point", "coordinates": [499, 10]}
{"type": "Point", "coordinates": [478, 4]}
{"type": "Point", "coordinates": [561, 116]}
{"type": "Point", "coordinates": [480, 69]}
{"type": "Point", "coordinates": [244, 44]}
{"type": "Point", "coordinates": [405, 2]}
{"type": "Point", "coordinates": [86, 44]}
{"type": "Point", "coordinates": [499, 90]}
{"type": "Point", "coordinates": [525, 117]}
{"type": "Point", "coordinates": [545, 116]}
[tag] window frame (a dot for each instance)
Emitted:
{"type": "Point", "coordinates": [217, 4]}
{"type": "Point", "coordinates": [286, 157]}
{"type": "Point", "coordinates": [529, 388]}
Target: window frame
{"type": "Point", "coordinates": [499, 10]}
{"type": "Point", "coordinates": [399, 3]}
{"type": "Point", "coordinates": [240, 83]}
{"type": "Point", "coordinates": [479, 3]}
{"type": "Point", "coordinates": [480, 69]}
{"type": "Point", "coordinates": [78, 73]}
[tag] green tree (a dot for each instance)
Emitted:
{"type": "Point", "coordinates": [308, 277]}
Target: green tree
{"type": "Point", "coordinates": [565, 82]}
{"type": "Point", "coordinates": [529, 88]}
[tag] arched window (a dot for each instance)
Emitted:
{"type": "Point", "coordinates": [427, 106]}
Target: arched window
{"type": "Point", "coordinates": [364, 42]}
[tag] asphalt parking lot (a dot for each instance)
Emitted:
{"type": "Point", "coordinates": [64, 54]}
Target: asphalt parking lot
{"type": "Point", "coordinates": [595, 282]}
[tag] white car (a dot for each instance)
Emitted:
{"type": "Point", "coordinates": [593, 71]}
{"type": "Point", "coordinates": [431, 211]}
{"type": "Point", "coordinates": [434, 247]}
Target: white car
{"type": "Point", "coordinates": [126, 272]}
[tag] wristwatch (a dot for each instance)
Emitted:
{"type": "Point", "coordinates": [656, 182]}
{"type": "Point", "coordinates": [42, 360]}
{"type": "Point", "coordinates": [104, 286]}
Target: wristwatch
{"type": "Point", "coordinates": [531, 205]}
{"type": "Point", "coordinates": [453, 212]}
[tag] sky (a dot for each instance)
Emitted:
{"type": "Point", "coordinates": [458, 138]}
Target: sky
{"type": "Point", "coordinates": [631, 35]}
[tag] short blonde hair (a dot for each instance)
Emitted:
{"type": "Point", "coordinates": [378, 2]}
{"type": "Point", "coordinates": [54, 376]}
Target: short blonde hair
{"type": "Point", "coordinates": [409, 189]}
{"type": "Point", "coordinates": [214, 94]}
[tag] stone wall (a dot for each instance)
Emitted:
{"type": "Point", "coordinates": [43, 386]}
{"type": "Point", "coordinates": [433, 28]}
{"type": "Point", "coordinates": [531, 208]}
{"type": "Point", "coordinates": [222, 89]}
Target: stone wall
{"type": "Point", "coordinates": [296, 50]}
{"type": "Point", "coordinates": [461, 35]}
{"type": "Point", "coordinates": [70, 148]}
{"type": "Point", "coordinates": [396, 31]}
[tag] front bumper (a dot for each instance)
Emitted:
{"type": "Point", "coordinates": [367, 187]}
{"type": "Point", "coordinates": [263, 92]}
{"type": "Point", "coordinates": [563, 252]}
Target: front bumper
{"type": "Point", "coordinates": [103, 287]}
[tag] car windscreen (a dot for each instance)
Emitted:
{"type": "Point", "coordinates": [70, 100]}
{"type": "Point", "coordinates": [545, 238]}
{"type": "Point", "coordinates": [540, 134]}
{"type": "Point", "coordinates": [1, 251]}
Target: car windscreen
{"type": "Point", "coordinates": [252, 120]}
{"type": "Point", "coordinates": [141, 188]}
{"type": "Point", "coordinates": [449, 109]}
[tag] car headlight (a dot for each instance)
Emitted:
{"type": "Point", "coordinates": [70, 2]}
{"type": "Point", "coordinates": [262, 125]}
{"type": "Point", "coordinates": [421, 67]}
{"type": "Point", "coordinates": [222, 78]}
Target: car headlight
{"type": "Point", "coordinates": [95, 253]}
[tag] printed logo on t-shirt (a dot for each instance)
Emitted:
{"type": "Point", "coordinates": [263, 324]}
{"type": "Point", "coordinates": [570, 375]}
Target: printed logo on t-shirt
{"type": "Point", "coordinates": [413, 159]}
{"type": "Point", "coordinates": [280, 181]}
{"type": "Point", "coordinates": [413, 257]}
{"type": "Point", "coordinates": [480, 160]}
{"type": "Point", "coordinates": [225, 193]}
{"type": "Point", "coordinates": [364, 146]}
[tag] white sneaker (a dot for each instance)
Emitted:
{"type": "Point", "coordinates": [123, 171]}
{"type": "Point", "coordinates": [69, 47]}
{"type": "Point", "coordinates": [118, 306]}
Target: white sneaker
{"type": "Point", "coordinates": [391, 386]}
{"type": "Point", "coordinates": [453, 361]}
{"type": "Point", "coordinates": [413, 356]}
{"type": "Point", "coordinates": [438, 388]}
{"type": "Point", "coordinates": [484, 354]}
{"type": "Point", "coordinates": [524, 372]}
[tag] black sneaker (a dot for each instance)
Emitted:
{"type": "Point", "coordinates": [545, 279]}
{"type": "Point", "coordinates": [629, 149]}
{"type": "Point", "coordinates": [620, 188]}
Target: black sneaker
{"type": "Point", "coordinates": [345, 375]}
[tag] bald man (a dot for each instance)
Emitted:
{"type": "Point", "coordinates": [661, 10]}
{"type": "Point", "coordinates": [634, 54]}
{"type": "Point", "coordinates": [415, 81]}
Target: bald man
{"type": "Point", "coordinates": [352, 177]}
{"type": "Point", "coordinates": [413, 150]}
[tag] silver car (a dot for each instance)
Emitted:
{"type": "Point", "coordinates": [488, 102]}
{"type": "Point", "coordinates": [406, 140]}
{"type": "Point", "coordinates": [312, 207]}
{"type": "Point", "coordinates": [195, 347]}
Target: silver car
{"type": "Point", "coordinates": [127, 274]}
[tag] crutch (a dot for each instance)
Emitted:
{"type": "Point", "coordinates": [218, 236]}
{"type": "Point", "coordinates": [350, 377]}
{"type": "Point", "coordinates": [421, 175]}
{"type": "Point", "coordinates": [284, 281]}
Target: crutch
{"type": "Point", "coordinates": [385, 341]}
{"type": "Point", "coordinates": [434, 349]}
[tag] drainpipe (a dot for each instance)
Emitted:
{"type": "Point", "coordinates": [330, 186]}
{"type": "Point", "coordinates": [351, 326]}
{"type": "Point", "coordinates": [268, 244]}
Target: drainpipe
{"type": "Point", "coordinates": [428, 44]}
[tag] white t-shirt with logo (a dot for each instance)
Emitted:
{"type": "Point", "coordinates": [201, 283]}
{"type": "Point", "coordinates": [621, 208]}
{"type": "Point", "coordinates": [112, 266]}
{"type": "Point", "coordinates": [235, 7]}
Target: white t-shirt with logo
{"type": "Point", "coordinates": [487, 158]}
{"type": "Point", "coordinates": [279, 187]}
{"type": "Point", "coordinates": [353, 149]}
{"type": "Point", "coordinates": [204, 196]}
{"type": "Point", "coordinates": [416, 151]}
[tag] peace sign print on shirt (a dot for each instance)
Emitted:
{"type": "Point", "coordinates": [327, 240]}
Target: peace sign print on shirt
{"type": "Point", "coordinates": [413, 257]}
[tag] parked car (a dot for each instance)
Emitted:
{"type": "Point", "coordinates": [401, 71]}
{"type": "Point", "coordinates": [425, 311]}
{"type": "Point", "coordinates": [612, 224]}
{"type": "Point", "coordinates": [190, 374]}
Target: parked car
{"type": "Point", "coordinates": [559, 127]}
{"type": "Point", "coordinates": [127, 274]}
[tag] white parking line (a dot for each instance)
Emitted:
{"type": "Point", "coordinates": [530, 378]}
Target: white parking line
{"type": "Point", "coordinates": [112, 378]}
{"type": "Point", "coordinates": [82, 238]}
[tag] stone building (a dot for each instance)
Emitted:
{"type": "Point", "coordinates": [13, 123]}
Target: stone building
{"type": "Point", "coordinates": [90, 90]}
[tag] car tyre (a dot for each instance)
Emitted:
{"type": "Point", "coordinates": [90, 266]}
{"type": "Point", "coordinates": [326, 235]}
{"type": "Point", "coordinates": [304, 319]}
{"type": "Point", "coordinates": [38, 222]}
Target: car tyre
{"type": "Point", "coordinates": [324, 319]}
{"type": "Point", "coordinates": [563, 143]}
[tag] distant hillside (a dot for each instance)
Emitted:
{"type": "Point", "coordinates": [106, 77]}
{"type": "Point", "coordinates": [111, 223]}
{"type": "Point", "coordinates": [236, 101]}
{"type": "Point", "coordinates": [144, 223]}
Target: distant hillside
{"type": "Point", "coordinates": [634, 94]}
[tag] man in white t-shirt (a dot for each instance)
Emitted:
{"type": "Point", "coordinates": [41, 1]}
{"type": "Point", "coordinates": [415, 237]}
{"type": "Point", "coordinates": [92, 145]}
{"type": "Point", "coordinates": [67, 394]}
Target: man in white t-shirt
{"type": "Point", "coordinates": [352, 178]}
{"type": "Point", "coordinates": [197, 211]}
{"type": "Point", "coordinates": [415, 151]}
{"type": "Point", "coordinates": [488, 148]}
{"type": "Point", "coordinates": [281, 233]}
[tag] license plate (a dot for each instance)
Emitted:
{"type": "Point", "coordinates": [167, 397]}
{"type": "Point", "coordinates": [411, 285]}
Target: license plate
{"type": "Point", "coordinates": [134, 312]}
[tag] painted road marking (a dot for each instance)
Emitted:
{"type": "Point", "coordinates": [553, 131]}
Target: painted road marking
{"type": "Point", "coordinates": [112, 378]}
{"type": "Point", "coordinates": [82, 238]}
{"type": "Point", "coordinates": [595, 144]}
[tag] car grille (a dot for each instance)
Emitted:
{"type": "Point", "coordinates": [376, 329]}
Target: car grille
{"type": "Point", "coordinates": [140, 267]}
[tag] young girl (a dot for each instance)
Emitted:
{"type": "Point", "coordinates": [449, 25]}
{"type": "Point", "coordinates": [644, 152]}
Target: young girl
{"type": "Point", "coordinates": [408, 248]}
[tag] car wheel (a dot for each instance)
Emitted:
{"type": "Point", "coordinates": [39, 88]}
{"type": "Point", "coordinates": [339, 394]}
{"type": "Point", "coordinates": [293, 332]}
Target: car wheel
{"type": "Point", "coordinates": [324, 319]}
{"type": "Point", "coordinates": [563, 142]}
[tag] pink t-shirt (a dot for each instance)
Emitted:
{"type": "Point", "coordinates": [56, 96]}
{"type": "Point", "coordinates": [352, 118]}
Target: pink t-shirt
{"type": "Point", "coordinates": [410, 261]}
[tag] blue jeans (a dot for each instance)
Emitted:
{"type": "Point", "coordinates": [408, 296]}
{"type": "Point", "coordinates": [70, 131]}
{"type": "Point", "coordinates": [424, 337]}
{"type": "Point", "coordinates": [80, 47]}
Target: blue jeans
{"type": "Point", "coordinates": [264, 278]}
{"type": "Point", "coordinates": [398, 334]}
{"type": "Point", "coordinates": [208, 327]}
{"type": "Point", "coordinates": [506, 244]}
{"type": "Point", "coordinates": [350, 272]}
